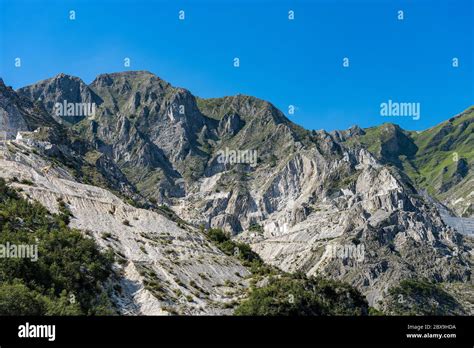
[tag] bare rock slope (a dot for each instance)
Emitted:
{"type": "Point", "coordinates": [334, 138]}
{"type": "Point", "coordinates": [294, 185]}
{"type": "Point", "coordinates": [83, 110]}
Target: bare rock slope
{"type": "Point", "coordinates": [356, 205]}
{"type": "Point", "coordinates": [164, 268]}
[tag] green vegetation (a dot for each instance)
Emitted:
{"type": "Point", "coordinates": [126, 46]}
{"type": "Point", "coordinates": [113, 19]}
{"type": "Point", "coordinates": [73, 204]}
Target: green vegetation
{"type": "Point", "coordinates": [286, 294]}
{"type": "Point", "coordinates": [256, 228]}
{"type": "Point", "coordinates": [106, 235]}
{"type": "Point", "coordinates": [240, 250]}
{"type": "Point", "coordinates": [341, 179]}
{"type": "Point", "coordinates": [64, 211]}
{"type": "Point", "coordinates": [68, 276]}
{"type": "Point", "coordinates": [91, 157]}
{"type": "Point", "coordinates": [443, 151]}
{"type": "Point", "coordinates": [289, 295]}
{"type": "Point", "coordinates": [419, 297]}
{"type": "Point", "coordinates": [170, 214]}
{"type": "Point", "coordinates": [151, 281]}
{"type": "Point", "coordinates": [217, 235]}
{"type": "Point", "coordinates": [435, 159]}
{"type": "Point", "coordinates": [387, 142]}
{"type": "Point", "coordinates": [217, 108]}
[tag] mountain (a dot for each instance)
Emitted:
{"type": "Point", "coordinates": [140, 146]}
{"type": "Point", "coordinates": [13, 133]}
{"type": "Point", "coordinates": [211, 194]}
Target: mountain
{"type": "Point", "coordinates": [371, 207]}
{"type": "Point", "coordinates": [162, 267]}
{"type": "Point", "coordinates": [18, 113]}
{"type": "Point", "coordinates": [60, 89]}
{"type": "Point", "coordinates": [439, 159]}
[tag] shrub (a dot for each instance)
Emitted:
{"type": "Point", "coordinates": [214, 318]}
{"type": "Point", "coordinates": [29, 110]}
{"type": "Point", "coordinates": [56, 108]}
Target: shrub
{"type": "Point", "coordinates": [17, 299]}
{"type": "Point", "coordinates": [290, 295]}
{"type": "Point", "coordinates": [256, 228]}
{"type": "Point", "coordinates": [68, 263]}
{"type": "Point", "coordinates": [217, 235]}
{"type": "Point", "coordinates": [420, 297]}
{"type": "Point", "coordinates": [106, 235]}
{"type": "Point", "coordinates": [64, 211]}
{"type": "Point", "coordinates": [229, 247]}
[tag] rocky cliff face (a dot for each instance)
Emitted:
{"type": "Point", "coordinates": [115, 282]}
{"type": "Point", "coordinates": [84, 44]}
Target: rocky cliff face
{"type": "Point", "coordinates": [62, 89]}
{"type": "Point", "coordinates": [164, 267]}
{"type": "Point", "coordinates": [346, 204]}
{"type": "Point", "coordinates": [439, 159]}
{"type": "Point", "coordinates": [18, 113]}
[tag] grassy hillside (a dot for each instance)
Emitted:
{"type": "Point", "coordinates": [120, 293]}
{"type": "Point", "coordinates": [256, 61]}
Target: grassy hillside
{"type": "Point", "coordinates": [439, 159]}
{"type": "Point", "coordinates": [445, 155]}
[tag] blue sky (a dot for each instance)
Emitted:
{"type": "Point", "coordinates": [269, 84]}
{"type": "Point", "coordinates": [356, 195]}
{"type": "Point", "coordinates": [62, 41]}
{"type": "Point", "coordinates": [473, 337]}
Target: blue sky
{"type": "Point", "coordinates": [286, 62]}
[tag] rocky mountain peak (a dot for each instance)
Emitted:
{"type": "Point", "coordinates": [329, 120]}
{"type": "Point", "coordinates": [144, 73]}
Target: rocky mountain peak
{"type": "Point", "coordinates": [135, 78]}
{"type": "Point", "coordinates": [293, 195]}
{"type": "Point", "coordinates": [67, 91]}
{"type": "Point", "coordinates": [19, 113]}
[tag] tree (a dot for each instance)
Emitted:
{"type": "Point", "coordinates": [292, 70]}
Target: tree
{"type": "Point", "coordinates": [291, 295]}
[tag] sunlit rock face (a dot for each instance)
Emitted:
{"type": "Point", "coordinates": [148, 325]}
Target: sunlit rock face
{"type": "Point", "coordinates": [352, 205]}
